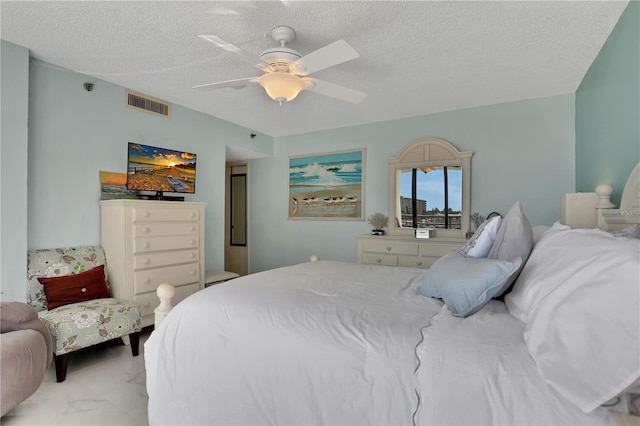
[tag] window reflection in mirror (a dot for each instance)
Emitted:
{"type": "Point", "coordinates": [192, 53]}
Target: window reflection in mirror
{"type": "Point", "coordinates": [431, 197]}
{"type": "Point", "coordinates": [430, 187]}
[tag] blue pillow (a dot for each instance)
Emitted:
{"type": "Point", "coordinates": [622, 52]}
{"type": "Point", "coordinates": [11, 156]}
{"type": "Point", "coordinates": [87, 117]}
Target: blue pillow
{"type": "Point", "coordinates": [466, 284]}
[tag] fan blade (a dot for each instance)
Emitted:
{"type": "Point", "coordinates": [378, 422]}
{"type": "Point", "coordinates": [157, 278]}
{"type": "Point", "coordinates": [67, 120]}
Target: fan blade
{"type": "Point", "coordinates": [246, 56]}
{"type": "Point", "coordinates": [325, 57]}
{"type": "Point", "coordinates": [334, 91]}
{"type": "Point", "coordinates": [236, 84]}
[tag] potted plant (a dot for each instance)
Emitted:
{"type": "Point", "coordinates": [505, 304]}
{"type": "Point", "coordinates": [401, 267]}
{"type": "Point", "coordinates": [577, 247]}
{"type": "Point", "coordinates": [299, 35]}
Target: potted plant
{"type": "Point", "coordinates": [477, 220]}
{"type": "Point", "coordinates": [378, 221]}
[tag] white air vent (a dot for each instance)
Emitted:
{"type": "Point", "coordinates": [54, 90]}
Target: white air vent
{"type": "Point", "coordinates": [147, 104]}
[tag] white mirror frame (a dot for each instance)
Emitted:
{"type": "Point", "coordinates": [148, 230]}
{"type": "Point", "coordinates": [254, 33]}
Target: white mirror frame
{"type": "Point", "coordinates": [431, 152]}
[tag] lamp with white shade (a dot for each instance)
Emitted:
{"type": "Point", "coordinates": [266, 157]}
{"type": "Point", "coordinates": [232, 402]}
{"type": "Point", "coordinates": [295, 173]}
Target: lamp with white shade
{"type": "Point", "coordinates": [578, 210]}
{"type": "Point", "coordinates": [581, 210]}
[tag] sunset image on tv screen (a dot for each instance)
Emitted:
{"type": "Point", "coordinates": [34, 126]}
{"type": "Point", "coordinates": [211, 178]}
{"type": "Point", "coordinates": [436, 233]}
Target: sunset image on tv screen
{"type": "Point", "coordinates": [162, 170]}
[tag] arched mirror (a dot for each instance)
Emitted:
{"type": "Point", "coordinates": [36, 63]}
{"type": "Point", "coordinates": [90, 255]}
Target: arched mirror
{"type": "Point", "coordinates": [430, 187]}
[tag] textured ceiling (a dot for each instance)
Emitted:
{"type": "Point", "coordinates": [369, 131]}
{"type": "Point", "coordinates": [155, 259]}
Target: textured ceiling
{"type": "Point", "coordinates": [416, 57]}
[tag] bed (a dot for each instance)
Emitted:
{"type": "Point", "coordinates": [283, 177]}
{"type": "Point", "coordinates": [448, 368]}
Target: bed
{"type": "Point", "coordinates": [329, 342]}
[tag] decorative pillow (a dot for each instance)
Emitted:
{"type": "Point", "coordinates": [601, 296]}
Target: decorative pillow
{"type": "Point", "coordinates": [480, 244]}
{"type": "Point", "coordinates": [514, 240]}
{"type": "Point", "coordinates": [582, 290]}
{"type": "Point", "coordinates": [75, 288]}
{"type": "Point", "coordinates": [466, 284]}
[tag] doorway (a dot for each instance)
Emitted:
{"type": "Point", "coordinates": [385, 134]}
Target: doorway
{"type": "Point", "coordinates": [236, 251]}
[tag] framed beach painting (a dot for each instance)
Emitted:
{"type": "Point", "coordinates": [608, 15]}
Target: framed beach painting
{"type": "Point", "coordinates": [114, 185]}
{"type": "Point", "coordinates": [327, 186]}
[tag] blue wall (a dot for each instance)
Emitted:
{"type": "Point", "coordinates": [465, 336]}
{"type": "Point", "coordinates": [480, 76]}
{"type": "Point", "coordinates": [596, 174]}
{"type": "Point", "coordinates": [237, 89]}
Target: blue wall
{"type": "Point", "coordinates": [72, 135]}
{"type": "Point", "coordinates": [608, 110]}
{"type": "Point", "coordinates": [532, 150]}
{"type": "Point", "coordinates": [522, 150]}
{"type": "Point", "coordinates": [75, 133]}
{"type": "Point", "coordinates": [13, 170]}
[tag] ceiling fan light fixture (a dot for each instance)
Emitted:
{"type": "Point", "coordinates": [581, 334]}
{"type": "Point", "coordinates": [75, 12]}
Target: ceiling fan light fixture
{"type": "Point", "coordinates": [286, 72]}
{"type": "Point", "coordinates": [281, 86]}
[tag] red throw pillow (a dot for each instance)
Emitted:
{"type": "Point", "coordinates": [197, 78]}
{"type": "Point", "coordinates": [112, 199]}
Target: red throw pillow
{"type": "Point", "coordinates": [75, 288]}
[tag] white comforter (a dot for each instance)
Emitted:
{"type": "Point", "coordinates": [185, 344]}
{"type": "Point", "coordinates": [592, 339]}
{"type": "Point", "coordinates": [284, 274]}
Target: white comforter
{"type": "Point", "coordinates": [338, 343]}
{"type": "Point", "coordinates": [315, 343]}
{"type": "Point", "coordinates": [478, 371]}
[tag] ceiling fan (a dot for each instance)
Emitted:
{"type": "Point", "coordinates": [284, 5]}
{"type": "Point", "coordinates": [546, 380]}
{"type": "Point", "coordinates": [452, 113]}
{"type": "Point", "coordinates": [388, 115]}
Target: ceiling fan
{"type": "Point", "coordinates": [286, 72]}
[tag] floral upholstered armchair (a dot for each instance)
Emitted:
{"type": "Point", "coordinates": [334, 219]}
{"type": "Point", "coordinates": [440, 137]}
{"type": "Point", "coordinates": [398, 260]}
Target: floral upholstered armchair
{"type": "Point", "coordinates": [69, 287]}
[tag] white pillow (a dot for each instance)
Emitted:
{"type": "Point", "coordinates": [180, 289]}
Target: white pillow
{"type": "Point", "coordinates": [480, 244]}
{"type": "Point", "coordinates": [527, 287]}
{"type": "Point", "coordinates": [580, 297]}
{"type": "Point", "coordinates": [537, 231]}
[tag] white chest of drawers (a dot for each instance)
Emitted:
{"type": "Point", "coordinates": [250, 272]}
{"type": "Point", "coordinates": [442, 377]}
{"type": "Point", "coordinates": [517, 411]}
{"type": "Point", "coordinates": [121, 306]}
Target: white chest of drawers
{"type": "Point", "coordinates": [403, 251]}
{"type": "Point", "coordinates": [150, 242]}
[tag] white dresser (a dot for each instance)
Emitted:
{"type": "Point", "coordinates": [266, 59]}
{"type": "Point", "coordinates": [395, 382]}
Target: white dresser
{"type": "Point", "coordinates": [404, 251]}
{"type": "Point", "coordinates": [150, 242]}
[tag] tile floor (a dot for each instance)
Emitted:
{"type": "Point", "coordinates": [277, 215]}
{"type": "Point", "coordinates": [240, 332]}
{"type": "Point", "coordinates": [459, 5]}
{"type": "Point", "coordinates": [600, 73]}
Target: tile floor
{"type": "Point", "coordinates": [105, 385]}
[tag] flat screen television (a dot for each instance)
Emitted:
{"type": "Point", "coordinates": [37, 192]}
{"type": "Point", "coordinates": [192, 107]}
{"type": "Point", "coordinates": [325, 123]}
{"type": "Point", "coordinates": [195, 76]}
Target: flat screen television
{"type": "Point", "coordinates": [160, 170]}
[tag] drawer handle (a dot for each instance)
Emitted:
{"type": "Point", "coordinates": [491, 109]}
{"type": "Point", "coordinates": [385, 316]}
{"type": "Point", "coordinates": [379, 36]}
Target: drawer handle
{"type": "Point", "coordinates": [419, 263]}
{"type": "Point", "coordinates": [192, 242]}
{"type": "Point", "coordinates": [192, 214]}
{"type": "Point", "coordinates": [147, 280]}
{"type": "Point", "coordinates": [145, 230]}
{"type": "Point", "coordinates": [193, 228]}
{"type": "Point", "coordinates": [388, 248]}
{"type": "Point", "coordinates": [193, 255]}
{"type": "Point", "coordinates": [146, 214]}
{"type": "Point", "coordinates": [193, 273]}
{"type": "Point", "coordinates": [378, 260]}
{"type": "Point", "coordinates": [146, 261]}
{"type": "Point", "coordinates": [146, 245]}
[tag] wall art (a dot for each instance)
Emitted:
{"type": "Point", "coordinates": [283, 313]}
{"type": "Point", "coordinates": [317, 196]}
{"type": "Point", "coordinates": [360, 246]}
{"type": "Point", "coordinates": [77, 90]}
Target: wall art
{"type": "Point", "coordinates": [327, 186]}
